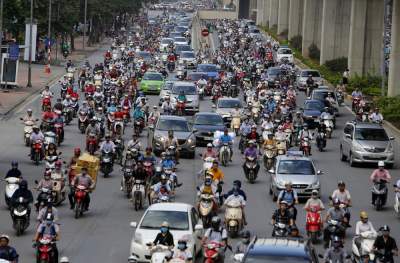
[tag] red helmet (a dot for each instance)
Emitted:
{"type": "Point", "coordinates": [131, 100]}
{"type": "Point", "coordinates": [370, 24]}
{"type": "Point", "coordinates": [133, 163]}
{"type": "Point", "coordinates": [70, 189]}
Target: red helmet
{"type": "Point", "coordinates": [47, 173]}
{"type": "Point", "coordinates": [77, 151]}
{"type": "Point", "coordinates": [58, 164]}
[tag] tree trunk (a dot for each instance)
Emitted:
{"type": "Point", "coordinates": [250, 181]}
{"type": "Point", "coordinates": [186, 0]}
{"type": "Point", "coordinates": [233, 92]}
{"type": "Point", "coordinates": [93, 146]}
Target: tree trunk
{"type": "Point", "coordinates": [72, 41]}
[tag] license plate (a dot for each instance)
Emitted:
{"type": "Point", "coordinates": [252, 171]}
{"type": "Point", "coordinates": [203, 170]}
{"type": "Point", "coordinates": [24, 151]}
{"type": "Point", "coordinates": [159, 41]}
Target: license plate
{"type": "Point", "coordinates": [208, 138]}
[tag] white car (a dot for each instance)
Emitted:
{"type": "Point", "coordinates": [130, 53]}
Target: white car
{"type": "Point", "coordinates": [183, 220]}
{"type": "Point", "coordinates": [284, 52]}
{"type": "Point", "coordinates": [188, 58]}
{"type": "Point", "coordinates": [165, 42]}
{"type": "Point", "coordinates": [180, 41]}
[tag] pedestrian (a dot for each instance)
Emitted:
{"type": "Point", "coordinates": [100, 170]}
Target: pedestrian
{"type": "Point", "coordinates": [345, 78]}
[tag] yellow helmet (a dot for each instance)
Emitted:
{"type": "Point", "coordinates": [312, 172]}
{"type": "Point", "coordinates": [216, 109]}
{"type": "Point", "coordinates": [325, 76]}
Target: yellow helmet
{"type": "Point", "coordinates": [363, 215]}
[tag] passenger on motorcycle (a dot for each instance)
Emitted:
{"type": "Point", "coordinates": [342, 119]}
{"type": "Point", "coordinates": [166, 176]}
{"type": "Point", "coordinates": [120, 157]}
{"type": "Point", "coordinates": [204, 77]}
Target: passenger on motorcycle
{"type": "Point", "coordinates": [336, 253]}
{"type": "Point", "coordinates": [161, 188]}
{"type": "Point", "coordinates": [289, 195]}
{"type": "Point", "coordinates": [338, 214]}
{"type": "Point", "coordinates": [81, 179]}
{"type": "Point", "coordinates": [209, 152]}
{"type": "Point", "coordinates": [182, 251]}
{"type": "Point", "coordinates": [344, 197]}
{"type": "Point", "coordinates": [167, 106]}
{"type": "Point", "coordinates": [45, 211]}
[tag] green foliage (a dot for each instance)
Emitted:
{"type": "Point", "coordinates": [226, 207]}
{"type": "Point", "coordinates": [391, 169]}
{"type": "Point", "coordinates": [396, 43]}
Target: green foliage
{"type": "Point", "coordinates": [314, 52]}
{"type": "Point", "coordinates": [337, 65]}
{"type": "Point", "coordinates": [274, 28]}
{"type": "Point", "coordinates": [390, 108]}
{"type": "Point", "coordinates": [369, 84]}
{"type": "Point", "coordinates": [284, 34]}
{"type": "Point", "coordinates": [296, 42]}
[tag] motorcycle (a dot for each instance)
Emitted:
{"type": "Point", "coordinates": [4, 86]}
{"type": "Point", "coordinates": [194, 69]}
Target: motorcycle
{"type": "Point", "coordinates": [366, 248]}
{"type": "Point", "coordinates": [20, 216]}
{"type": "Point", "coordinates": [251, 164]}
{"type": "Point", "coordinates": [224, 154]}
{"type": "Point", "coordinates": [37, 152]}
{"type": "Point", "coordinates": [45, 253]}
{"type": "Point", "coordinates": [119, 149]}
{"type": "Point", "coordinates": [59, 191]}
{"type": "Point", "coordinates": [206, 207]}
{"type": "Point", "coordinates": [397, 201]}
{"type": "Point", "coordinates": [281, 146]}
{"type": "Point", "coordinates": [269, 157]}
{"type": "Point", "coordinates": [80, 197]}
{"type": "Point", "coordinates": [328, 122]}
{"type": "Point", "coordinates": [159, 253]}
{"type": "Point", "coordinates": [340, 97]}
{"type": "Point", "coordinates": [92, 143]}
{"type": "Point", "coordinates": [180, 73]}
{"type": "Point", "coordinates": [321, 141]}
{"type": "Point", "coordinates": [138, 126]}
{"type": "Point", "coordinates": [305, 146]}
{"type": "Point", "coordinates": [59, 130]}
{"type": "Point", "coordinates": [46, 102]}
{"type": "Point", "coordinates": [288, 135]}
{"type": "Point", "coordinates": [83, 121]}
{"type": "Point", "coordinates": [235, 124]}
{"type": "Point", "coordinates": [314, 224]}
{"type": "Point", "coordinates": [380, 191]}
{"type": "Point", "coordinates": [127, 115]}
{"type": "Point", "coordinates": [28, 131]}
{"type": "Point", "coordinates": [118, 127]}
{"type": "Point", "coordinates": [211, 251]}
{"type": "Point", "coordinates": [334, 228]}
{"type": "Point", "coordinates": [51, 162]}
{"type": "Point", "coordinates": [201, 91]}
{"type": "Point", "coordinates": [106, 163]}
{"type": "Point", "coordinates": [280, 230]}
{"type": "Point", "coordinates": [138, 194]}
{"type": "Point", "coordinates": [180, 107]}
{"type": "Point", "coordinates": [233, 218]}
{"type": "Point", "coordinates": [12, 184]}
{"type": "Point", "coordinates": [68, 115]}
{"type": "Point", "coordinates": [45, 195]}
{"type": "Point", "coordinates": [355, 103]}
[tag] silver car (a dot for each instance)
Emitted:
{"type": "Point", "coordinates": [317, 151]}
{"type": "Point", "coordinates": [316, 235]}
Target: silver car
{"type": "Point", "coordinates": [225, 106]}
{"type": "Point", "coordinates": [302, 76]}
{"type": "Point", "coordinates": [165, 91]}
{"type": "Point", "coordinates": [190, 91]}
{"type": "Point", "coordinates": [158, 134]}
{"type": "Point", "coordinates": [366, 143]}
{"type": "Point", "coordinates": [188, 58]}
{"type": "Point", "coordinates": [297, 169]}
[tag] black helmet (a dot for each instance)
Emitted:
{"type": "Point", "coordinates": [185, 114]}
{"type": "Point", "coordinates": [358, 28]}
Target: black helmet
{"type": "Point", "coordinates": [385, 228]}
{"type": "Point", "coordinates": [246, 234]}
{"type": "Point", "coordinates": [237, 183]}
{"type": "Point", "coordinates": [23, 184]}
{"type": "Point", "coordinates": [215, 222]}
{"type": "Point", "coordinates": [14, 164]}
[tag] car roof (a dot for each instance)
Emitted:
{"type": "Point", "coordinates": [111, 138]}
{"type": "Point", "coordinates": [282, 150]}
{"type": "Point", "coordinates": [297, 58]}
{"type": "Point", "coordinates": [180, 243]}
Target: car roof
{"type": "Point", "coordinates": [207, 64]}
{"type": "Point", "coordinates": [308, 70]}
{"type": "Point", "coordinates": [182, 207]}
{"type": "Point", "coordinates": [225, 98]}
{"type": "Point", "coordinates": [279, 247]}
{"type": "Point", "coordinates": [172, 117]}
{"type": "Point", "coordinates": [366, 125]}
{"type": "Point", "coordinates": [183, 83]}
{"type": "Point", "coordinates": [207, 114]}
{"type": "Point", "coordinates": [288, 157]}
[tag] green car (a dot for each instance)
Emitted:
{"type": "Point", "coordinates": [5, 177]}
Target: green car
{"type": "Point", "coordinates": [152, 83]}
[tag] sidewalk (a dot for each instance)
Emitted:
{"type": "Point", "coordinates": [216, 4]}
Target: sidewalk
{"type": "Point", "coordinates": [12, 98]}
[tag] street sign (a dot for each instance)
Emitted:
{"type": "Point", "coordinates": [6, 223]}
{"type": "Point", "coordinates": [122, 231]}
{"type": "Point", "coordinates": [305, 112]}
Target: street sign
{"type": "Point", "coordinates": [204, 32]}
{"type": "Point", "coordinates": [13, 51]}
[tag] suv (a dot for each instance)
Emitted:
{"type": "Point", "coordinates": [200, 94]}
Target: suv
{"type": "Point", "coordinates": [302, 76]}
{"type": "Point", "coordinates": [298, 169]}
{"type": "Point", "coordinates": [321, 93]}
{"type": "Point", "coordinates": [278, 250]}
{"type": "Point", "coordinates": [366, 143]}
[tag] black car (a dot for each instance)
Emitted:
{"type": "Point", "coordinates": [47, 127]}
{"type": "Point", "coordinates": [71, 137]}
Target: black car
{"type": "Point", "coordinates": [206, 123]}
{"type": "Point", "coordinates": [273, 74]}
{"type": "Point", "coordinates": [279, 250]}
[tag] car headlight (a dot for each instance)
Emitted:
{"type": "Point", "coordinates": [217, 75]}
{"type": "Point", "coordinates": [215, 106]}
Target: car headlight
{"type": "Point", "coordinates": [315, 185]}
{"type": "Point", "coordinates": [138, 238]}
{"type": "Point", "coordinates": [358, 148]}
{"type": "Point", "coordinates": [280, 184]}
{"type": "Point", "coordinates": [389, 148]}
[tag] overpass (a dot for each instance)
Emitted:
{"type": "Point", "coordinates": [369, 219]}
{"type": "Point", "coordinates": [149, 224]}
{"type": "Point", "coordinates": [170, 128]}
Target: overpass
{"type": "Point", "coordinates": [339, 28]}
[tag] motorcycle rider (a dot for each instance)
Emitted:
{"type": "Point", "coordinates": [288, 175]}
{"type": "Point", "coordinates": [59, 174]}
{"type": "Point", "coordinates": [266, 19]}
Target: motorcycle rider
{"type": "Point", "coordinates": [289, 195]}
{"type": "Point", "coordinates": [29, 117]}
{"type": "Point", "coordinates": [338, 214]}
{"type": "Point", "coordinates": [207, 187]}
{"type": "Point", "coordinates": [93, 128]}
{"type": "Point", "coordinates": [251, 151]}
{"type": "Point", "coordinates": [45, 211]}
{"type": "Point", "coordinates": [163, 185]}
{"type": "Point", "coordinates": [386, 244]}
{"type": "Point", "coordinates": [46, 181]}
{"type": "Point", "coordinates": [14, 171]}
{"type": "Point", "coordinates": [167, 106]}
{"type": "Point", "coordinates": [138, 114]}
{"type": "Point", "coordinates": [134, 143]}
{"type": "Point", "coordinates": [314, 201]}
{"type": "Point", "coordinates": [81, 179]}
{"type": "Point", "coordinates": [245, 127]}
{"type": "Point", "coordinates": [270, 141]}
{"type": "Point", "coordinates": [242, 245]}
{"type": "Point", "coordinates": [154, 115]}
{"type": "Point", "coordinates": [216, 172]}
{"type": "Point", "coordinates": [282, 215]}
{"type": "Point", "coordinates": [216, 233]}
{"type": "Point", "coordinates": [108, 146]}
{"type": "Point", "coordinates": [237, 185]}
{"type": "Point", "coordinates": [344, 197]}
{"type": "Point", "coordinates": [46, 92]}
{"type": "Point", "coordinates": [50, 229]}
{"type": "Point", "coordinates": [363, 225]}
{"type": "Point", "coordinates": [148, 156]}
{"type": "Point", "coordinates": [267, 123]}
{"type": "Point", "coordinates": [379, 174]}
{"type": "Point", "coordinates": [182, 251]}
{"type": "Point", "coordinates": [24, 192]}
{"type": "Point", "coordinates": [7, 252]}
{"type": "Point", "coordinates": [225, 138]}
{"type": "Point", "coordinates": [37, 135]}
{"type": "Point", "coordinates": [336, 253]}
{"type": "Point", "coordinates": [166, 162]}
{"type": "Point", "coordinates": [165, 237]}
{"type": "Point", "coordinates": [235, 196]}
{"type": "Point", "coordinates": [125, 102]}
{"type": "Point", "coordinates": [305, 132]}
{"type": "Point", "coordinates": [376, 116]}
{"type": "Point", "coordinates": [298, 119]}
{"type": "Point", "coordinates": [74, 159]}
{"type": "Point", "coordinates": [209, 152]}
{"type": "Point", "coordinates": [172, 141]}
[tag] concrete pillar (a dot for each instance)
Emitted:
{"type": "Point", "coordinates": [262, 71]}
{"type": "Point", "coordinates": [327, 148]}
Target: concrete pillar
{"type": "Point", "coordinates": [295, 18]}
{"type": "Point", "coordinates": [365, 45]}
{"type": "Point", "coordinates": [273, 13]}
{"type": "Point", "coordinates": [335, 29]}
{"type": "Point", "coordinates": [260, 13]}
{"type": "Point", "coordinates": [265, 10]}
{"type": "Point", "coordinates": [312, 15]}
{"type": "Point", "coordinates": [283, 16]}
{"type": "Point", "coordinates": [394, 67]}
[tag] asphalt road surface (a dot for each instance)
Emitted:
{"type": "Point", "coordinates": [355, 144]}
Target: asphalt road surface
{"type": "Point", "coordinates": [103, 234]}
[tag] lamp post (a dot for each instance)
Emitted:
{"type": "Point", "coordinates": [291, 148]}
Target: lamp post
{"type": "Point", "coordinates": [84, 26]}
{"type": "Point", "coordinates": [29, 85]}
{"type": "Point", "coordinates": [49, 29]}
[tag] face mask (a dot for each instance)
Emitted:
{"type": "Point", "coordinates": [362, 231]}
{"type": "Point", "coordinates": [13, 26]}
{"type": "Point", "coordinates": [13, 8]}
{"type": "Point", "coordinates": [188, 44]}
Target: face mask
{"type": "Point", "coordinates": [181, 246]}
{"type": "Point", "coordinates": [235, 193]}
{"type": "Point", "coordinates": [245, 241]}
{"type": "Point", "coordinates": [164, 230]}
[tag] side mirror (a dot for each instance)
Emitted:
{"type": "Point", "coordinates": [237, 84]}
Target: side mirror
{"type": "Point", "coordinates": [391, 138]}
{"type": "Point", "coordinates": [319, 172]}
{"type": "Point", "coordinates": [198, 188]}
{"type": "Point", "coordinates": [194, 130]}
{"type": "Point", "coordinates": [271, 171]}
{"type": "Point", "coordinates": [348, 136]}
{"type": "Point", "coordinates": [133, 224]}
{"type": "Point", "coordinates": [320, 256]}
{"type": "Point", "coordinates": [59, 153]}
{"type": "Point", "coordinates": [36, 182]}
{"type": "Point", "coordinates": [21, 119]}
{"type": "Point", "coordinates": [198, 227]}
{"type": "Point", "coordinates": [200, 154]}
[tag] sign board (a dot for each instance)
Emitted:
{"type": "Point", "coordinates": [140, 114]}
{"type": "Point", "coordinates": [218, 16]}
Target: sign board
{"type": "Point", "coordinates": [34, 35]}
{"type": "Point", "coordinates": [204, 32]}
{"type": "Point", "coordinates": [13, 51]}
{"type": "Point", "coordinates": [9, 73]}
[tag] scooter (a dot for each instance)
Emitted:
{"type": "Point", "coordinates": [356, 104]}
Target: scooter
{"type": "Point", "coordinates": [46, 102]}
{"type": "Point", "coordinates": [305, 146]}
{"type": "Point", "coordinates": [45, 250]}
{"type": "Point", "coordinates": [269, 157]}
{"type": "Point", "coordinates": [206, 206]}
{"type": "Point", "coordinates": [83, 121]}
{"type": "Point", "coordinates": [12, 184]}
{"type": "Point", "coordinates": [314, 224]}
{"type": "Point", "coordinates": [321, 141]}
{"type": "Point", "coordinates": [211, 252]}
{"type": "Point", "coordinates": [59, 191]}
{"type": "Point", "coordinates": [59, 131]}
{"type": "Point", "coordinates": [334, 228]}
{"type": "Point", "coordinates": [80, 196]}
{"type": "Point", "coordinates": [138, 194]}
{"type": "Point", "coordinates": [233, 218]}
{"type": "Point", "coordinates": [380, 191]}
{"type": "Point", "coordinates": [51, 162]}
{"type": "Point", "coordinates": [328, 122]}
{"type": "Point", "coordinates": [180, 107]}
{"type": "Point", "coordinates": [281, 146]}
{"type": "Point", "coordinates": [280, 230]}
{"type": "Point", "coordinates": [251, 164]}
{"type": "Point", "coordinates": [235, 124]}
{"type": "Point", "coordinates": [20, 216]}
{"type": "Point", "coordinates": [207, 164]}
{"type": "Point", "coordinates": [224, 154]}
{"type": "Point", "coordinates": [37, 152]}
{"type": "Point", "coordinates": [366, 248]}
{"type": "Point", "coordinates": [28, 131]}
{"type": "Point", "coordinates": [106, 163]}
{"type": "Point", "coordinates": [159, 253]}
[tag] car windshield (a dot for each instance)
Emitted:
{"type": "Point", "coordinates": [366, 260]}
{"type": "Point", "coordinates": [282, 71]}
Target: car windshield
{"type": "Point", "coordinates": [167, 41]}
{"type": "Point", "coordinates": [187, 90]}
{"type": "Point", "coordinates": [321, 95]}
{"type": "Point", "coordinates": [175, 34]}
{"type": "Point", "coordinates": [315, 74]}
{"type": "Point", "coordinates": [168, 86]}
{"type": "Point", "coordinates": [144, 54]}
{"type": "Point", "coordinates": [274, 71]}
{"type": "Point", "coordinates": [180, 48]}
{"type": "Point", "coordinates": [195, 76]}
{"type": "Point", "coordinates": [295, 167]}
{"type": "Point", "coordinates": [180, 39]}
{"type": "Point", "coordinates": [207, 68]}
{"type": "Point", "coordinates": [277, 259]}
{"type": "Point", "coordinates": [229, 104]}
{"type": "Point", "coordinates": [152, 76]}
{"type": "Point", "coordinates": [314, 105]}
{"type": "Point", "coordinates": [187, 55]}
{"type": "Point", "coordinates": [285, 51]}
{"type": "Point", "coordinates": [171, 124]}
{"type": "Point", "coordinates": [209, 120]}
{"type": "Point", "coordinates": [154, 219]}
{"type": "Point", "coordinates": [371, 134]}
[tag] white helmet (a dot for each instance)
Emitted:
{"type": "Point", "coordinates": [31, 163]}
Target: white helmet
{"type": "Point", "coordinates": [381, 164]}
{"type": "Point", "coordinates": [64, 260]}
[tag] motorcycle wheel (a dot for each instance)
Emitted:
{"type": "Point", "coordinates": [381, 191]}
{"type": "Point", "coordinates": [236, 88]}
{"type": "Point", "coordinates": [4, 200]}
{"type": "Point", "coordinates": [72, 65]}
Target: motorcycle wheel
{"type": "Point", "coordinates": [138, 201]}
{"type": "Point", "coordinates": [329, 134]}
{"type": "Point", "coordinates": [27, 141]}
{"type": "Point", "coordinates": [306, 152]}
{"type": "Point", "coordinates": [77, 210]}
{"type": "Point", "coordinates": [320, 147]}
{"type": "Point", "coordinates": [36, 159]}
{"type": "Point", "coordinates": [314, 237]}
{"type": "Point", "coordinates": [91, 149]}
{"type": "Point", "coordinates": [19, 227]}
{"type": "Point", "coordinates": [224, 158]}
{"type": "Point", "coordinates": [251, 177]}
{"type": "Point", "coordinates": [232, 233]}
{"type": "Point", "coordinates": [378, 204]}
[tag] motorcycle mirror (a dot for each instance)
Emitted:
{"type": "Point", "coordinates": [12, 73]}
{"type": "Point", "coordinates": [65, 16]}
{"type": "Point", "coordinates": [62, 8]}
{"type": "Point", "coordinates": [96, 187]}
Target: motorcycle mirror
{"type": "Point", "coordinates": [36, 182]}
{"type": "Point", "coordinates": [133, 224]}
{"type": "Point", "coordinates": [200, 154]}
{"type": "Point", "coordinates": [21, 119]}
{"type": "Point", "coordinates": [198, 188]}
{"type": "Point", "coordinates": [271, 171]}
{"type": "Point", "coordinates": [55, 183]}
{"type": "Point", "coordinates": [319, 172]}
{"type": "Point", "coordinates": [59, 153]}
{"type": "Point", "coordinates": [320, 256]}
{"type": "Point", "coordinates": [391, 138]}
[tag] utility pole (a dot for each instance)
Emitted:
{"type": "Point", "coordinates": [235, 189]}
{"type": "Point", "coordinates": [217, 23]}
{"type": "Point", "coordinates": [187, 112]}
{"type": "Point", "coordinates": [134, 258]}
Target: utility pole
{"type": "Point", "coordinates": [49, 26]}
{"type": "Point", "coordinates": [1, 30]}
{"type": "Point", "coordinates": [383, 66]}
{"type": "Point", "coordinates": [84, 25]}
{"type": "Point", "coordinates": [30, 49]}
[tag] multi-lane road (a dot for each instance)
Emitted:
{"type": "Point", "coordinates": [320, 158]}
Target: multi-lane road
{"type": "Point", "coordinates": [103, 234]}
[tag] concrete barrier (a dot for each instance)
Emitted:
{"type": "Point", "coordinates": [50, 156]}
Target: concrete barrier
{"type": "Point", "coordinates": [217, 14]}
